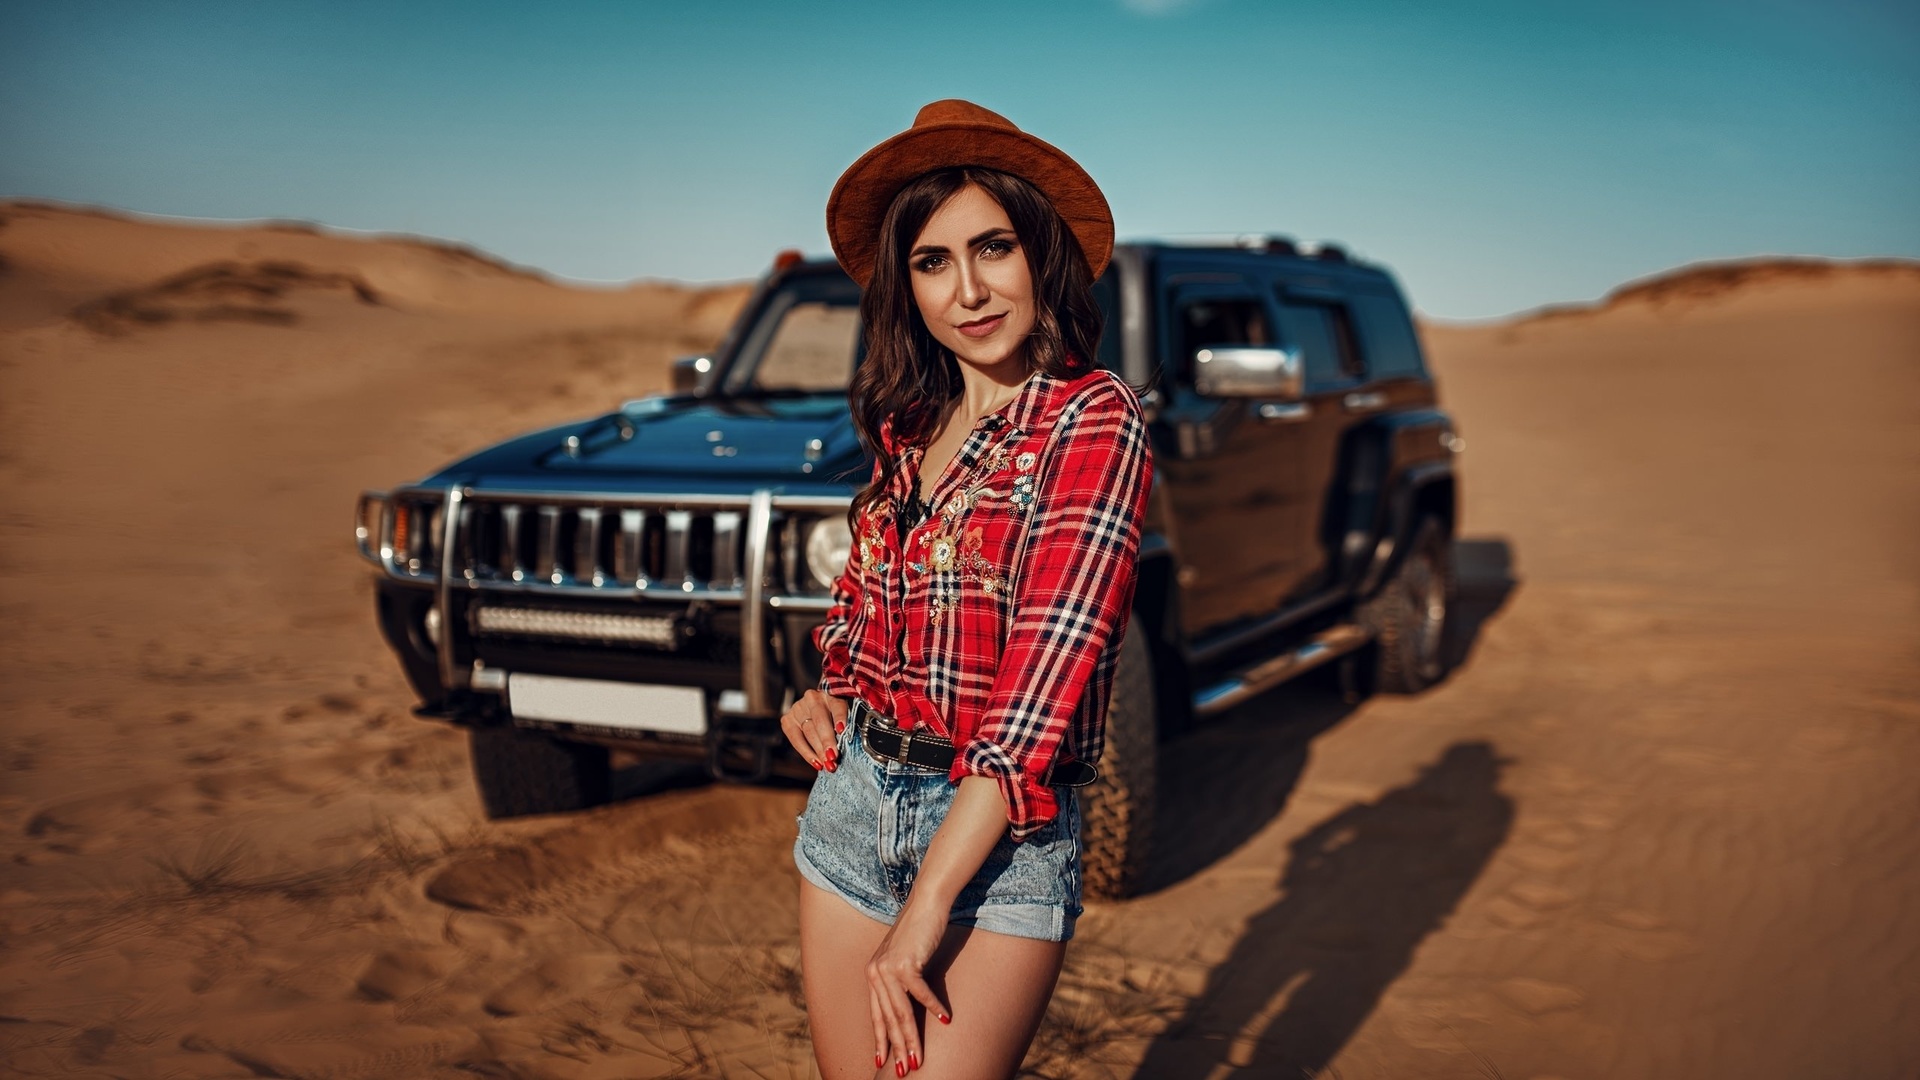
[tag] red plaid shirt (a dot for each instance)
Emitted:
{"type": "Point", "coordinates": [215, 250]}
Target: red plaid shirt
{"type": "Point", "coordinates": [998, 622]}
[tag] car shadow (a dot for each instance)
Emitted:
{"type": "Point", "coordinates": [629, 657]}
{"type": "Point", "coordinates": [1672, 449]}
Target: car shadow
{"type": "Point", "coordinates": [1484, 580]}
{"type": "Point", "coordinates": [1226, 779]}
{"type": "Point", "coordinates": [1361, 890]}
{"type": "Point", "coordinates": [635, 778]}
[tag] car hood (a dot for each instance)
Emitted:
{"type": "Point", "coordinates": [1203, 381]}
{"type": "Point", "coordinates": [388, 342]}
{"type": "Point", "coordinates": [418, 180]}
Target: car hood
{"type": "Point", "coordinates": [683, 439]}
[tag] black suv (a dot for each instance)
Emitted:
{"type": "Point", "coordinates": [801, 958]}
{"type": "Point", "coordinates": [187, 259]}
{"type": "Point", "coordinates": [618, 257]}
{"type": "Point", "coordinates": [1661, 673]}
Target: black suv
{"type": "Point", "coordinates": [649, 579]}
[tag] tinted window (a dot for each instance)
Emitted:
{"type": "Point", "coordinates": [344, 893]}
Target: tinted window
{"type": "Point", "coordinates": [1218, 321]}
{"type": "Point", "coordinates": [1392, 348]}
{"type": "Point", "coordinates": [1324, 335]}
{"type": "Point", "coordinates": [806, 338]}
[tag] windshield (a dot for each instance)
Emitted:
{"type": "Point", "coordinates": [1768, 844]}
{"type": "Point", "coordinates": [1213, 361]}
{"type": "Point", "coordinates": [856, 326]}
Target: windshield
{"type": "Point", "coordinates": [806, 340]}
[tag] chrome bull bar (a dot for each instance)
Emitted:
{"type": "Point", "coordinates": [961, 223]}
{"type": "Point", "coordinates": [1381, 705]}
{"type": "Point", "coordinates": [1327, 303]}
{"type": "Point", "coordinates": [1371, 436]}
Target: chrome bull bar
{"type": "Point", "coordinates": [398, 546]}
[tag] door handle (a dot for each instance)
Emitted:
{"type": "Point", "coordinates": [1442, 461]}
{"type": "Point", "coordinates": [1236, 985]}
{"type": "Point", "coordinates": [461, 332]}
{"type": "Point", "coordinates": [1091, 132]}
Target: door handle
{"type": "Point", "coordinates": [1284, 411]}
{"type": "Point", "coordinates": [1362, 400]}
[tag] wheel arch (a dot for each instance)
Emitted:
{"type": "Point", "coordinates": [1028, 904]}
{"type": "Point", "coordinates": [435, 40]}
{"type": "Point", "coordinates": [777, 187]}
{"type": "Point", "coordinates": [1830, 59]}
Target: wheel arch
{"type": "Point", "coordinates": [1429, 488]}
{"type": "Point", "coordinates": [1156, 613]}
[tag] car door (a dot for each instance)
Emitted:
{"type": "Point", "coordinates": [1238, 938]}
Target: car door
{"type": "Point", "coordinates": [1230, 466]}
{"type": "Point", "coordinates": [1319, 322]}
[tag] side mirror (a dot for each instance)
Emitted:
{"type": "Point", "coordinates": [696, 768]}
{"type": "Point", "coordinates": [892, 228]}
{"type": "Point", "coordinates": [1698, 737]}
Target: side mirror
{"type": "Point", "coordinates": [690, 373]}
{"type": "Point", "coordinates": [1249, 372]}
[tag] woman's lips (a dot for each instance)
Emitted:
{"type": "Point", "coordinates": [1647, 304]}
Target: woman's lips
{"type": "Point", "coordinates": [983, 327]}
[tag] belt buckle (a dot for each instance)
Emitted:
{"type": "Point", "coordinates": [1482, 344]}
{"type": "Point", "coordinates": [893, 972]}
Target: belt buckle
{"type": "Point", "coordinates": [906, 741]}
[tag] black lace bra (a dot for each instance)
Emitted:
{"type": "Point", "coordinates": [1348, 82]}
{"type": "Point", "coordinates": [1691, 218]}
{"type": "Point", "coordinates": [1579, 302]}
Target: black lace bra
{"type": "Point", "coordinates": [912, 513]}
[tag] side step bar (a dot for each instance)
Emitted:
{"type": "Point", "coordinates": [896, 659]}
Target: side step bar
{"type": "Point", "coordinates": [1329, 644]}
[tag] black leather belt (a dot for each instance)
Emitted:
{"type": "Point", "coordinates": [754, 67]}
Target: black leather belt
{"type": "Point", "coordinates": [886, 742]}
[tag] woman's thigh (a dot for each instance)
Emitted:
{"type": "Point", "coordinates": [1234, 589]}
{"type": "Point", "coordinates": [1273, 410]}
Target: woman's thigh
{"type": "Point", "coordinates": [998, 987]}
{"type": "Point", "coordinates": [836, 942]}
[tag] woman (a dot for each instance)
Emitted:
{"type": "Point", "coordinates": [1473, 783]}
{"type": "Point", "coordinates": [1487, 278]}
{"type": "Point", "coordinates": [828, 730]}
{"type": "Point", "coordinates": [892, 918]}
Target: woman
{"type": "Point", "coordinates": [971, 643]}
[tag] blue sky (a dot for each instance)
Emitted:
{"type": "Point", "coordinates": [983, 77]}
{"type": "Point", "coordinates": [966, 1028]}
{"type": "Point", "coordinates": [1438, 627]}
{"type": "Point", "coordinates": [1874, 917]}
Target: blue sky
{"type": "Point", "coordinates": [1497, 155]}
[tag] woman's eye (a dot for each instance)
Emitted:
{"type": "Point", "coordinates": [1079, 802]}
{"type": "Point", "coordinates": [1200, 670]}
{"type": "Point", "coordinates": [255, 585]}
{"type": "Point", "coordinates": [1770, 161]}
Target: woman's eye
{"type": "Point", "coordinates": [929, 264]}
{"type": "Point", "coordinates": [997, 247]}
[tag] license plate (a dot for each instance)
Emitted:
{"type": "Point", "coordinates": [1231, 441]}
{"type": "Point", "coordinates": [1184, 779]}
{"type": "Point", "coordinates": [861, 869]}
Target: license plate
{"type": "Point", "coordinates": [678, 709]}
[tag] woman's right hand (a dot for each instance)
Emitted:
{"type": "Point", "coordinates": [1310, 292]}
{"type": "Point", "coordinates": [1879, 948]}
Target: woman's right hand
{"type": "Point", "coordinates": [811, 726]}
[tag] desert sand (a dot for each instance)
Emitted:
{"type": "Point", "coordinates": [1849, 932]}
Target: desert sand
{"type": "Point", "coordinates": [1659, 823]}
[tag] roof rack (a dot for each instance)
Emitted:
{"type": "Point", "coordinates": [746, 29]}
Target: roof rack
{"type": "Point", "coordinates": [1267, 243]}
{"type": "Point", "coordinates": [1326, 251]}
{"type": "Point", "coordinates": [1271, 244]}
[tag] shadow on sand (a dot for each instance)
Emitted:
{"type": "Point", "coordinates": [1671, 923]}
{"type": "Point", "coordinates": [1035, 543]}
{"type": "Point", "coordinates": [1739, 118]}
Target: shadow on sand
{"type": "Point", "coordinates": [1360, 891]}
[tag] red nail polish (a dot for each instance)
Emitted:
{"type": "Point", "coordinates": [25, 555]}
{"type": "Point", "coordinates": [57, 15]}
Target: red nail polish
{"type": "Point", "coordinates": [945, 1019]}
{"type": "Point", "coordinates": [899, 1068]}
{"type": "Point", "coordinates": [879, 1060]}
{"type": "Point", "coordinates": [913, 1061]}
{"type": "Point", "coordinates": [839, 726]}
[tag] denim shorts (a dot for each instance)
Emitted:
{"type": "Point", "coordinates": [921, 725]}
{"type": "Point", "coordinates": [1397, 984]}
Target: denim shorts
{"type": "Point", "coordinates": [867, 826]}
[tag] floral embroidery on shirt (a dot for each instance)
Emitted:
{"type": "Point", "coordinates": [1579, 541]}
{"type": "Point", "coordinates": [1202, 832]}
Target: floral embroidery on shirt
{"type": "Point", "coordinates": [871, 547]}
{"type": "Point", "coordinates": [942, 552]}
{"type": "Point", "coordinates": [962, 558]}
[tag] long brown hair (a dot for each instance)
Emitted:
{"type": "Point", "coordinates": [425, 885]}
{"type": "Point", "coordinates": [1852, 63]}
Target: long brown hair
{"type": "Point", "coordinates": [908, 375]}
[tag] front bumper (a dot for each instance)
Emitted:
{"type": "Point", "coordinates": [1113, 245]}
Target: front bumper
{"type": "Point", "coordinates": [685, 590]}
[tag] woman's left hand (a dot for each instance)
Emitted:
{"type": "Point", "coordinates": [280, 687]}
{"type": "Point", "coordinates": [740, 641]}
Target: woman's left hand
{"type": "Point", "coordinates": [895, 981]}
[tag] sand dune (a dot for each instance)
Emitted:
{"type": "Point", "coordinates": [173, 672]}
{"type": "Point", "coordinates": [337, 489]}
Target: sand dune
{"type": "Point", "coordinates": [1659, 824]}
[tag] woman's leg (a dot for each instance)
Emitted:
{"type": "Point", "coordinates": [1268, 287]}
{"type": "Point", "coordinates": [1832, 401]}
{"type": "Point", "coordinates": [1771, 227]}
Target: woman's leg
{"type": "Point", "coordinates": [998, 987]}
{"type": "Point", "coordinates": [836, 941]}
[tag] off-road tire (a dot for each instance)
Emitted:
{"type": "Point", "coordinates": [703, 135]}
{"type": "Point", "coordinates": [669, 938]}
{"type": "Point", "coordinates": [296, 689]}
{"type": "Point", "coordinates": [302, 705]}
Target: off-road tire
{"type": "Point", "coordinates": [521, 772]}
{"type": "Point", "coordinates": [1412, 614]}
{"type": "Point", "coordinates": [1116, 811]}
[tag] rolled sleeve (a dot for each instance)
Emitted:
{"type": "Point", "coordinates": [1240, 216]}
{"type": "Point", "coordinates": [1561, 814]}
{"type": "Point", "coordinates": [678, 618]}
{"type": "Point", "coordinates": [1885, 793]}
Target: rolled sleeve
{"type": "Point", "coordinates": [1072, 591]}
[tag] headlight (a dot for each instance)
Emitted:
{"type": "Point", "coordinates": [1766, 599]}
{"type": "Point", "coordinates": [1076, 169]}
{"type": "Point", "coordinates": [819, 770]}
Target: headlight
{"type": "Point", "coordinates": [829, 542]}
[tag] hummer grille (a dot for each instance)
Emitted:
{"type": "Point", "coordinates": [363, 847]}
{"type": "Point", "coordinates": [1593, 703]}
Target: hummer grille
{"type": "Point", "coordinates": [673, 550]}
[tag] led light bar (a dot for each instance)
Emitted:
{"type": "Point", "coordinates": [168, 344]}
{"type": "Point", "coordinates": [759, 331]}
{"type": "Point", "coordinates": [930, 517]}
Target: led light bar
{"type": "Point", "coordinates": [654, 630]}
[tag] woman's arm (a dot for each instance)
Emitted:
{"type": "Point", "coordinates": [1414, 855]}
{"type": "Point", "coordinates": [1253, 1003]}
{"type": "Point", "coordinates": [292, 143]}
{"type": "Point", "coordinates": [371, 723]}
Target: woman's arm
{"type": "Point", "coordinates": [1072, 591]}
{"type": "Point", "coordinates": [974, 823]}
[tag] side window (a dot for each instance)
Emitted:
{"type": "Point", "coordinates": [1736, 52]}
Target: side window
{"type": "Point", "coordinates": [1204, 321]}
{"type": "Point", "coordinates": [1324, 334]}
{"type": "Point", "coordinates": [1392, 348]}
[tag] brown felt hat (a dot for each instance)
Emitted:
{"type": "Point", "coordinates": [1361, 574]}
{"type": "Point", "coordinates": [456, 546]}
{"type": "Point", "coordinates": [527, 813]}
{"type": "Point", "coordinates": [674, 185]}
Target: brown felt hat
{"type": "Point", "coordinates": [954, 132]}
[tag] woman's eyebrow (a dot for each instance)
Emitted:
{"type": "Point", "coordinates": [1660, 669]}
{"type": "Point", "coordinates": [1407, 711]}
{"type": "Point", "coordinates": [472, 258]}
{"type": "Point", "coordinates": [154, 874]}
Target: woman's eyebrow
{"type": "Point", "coordinates": [936, 249]}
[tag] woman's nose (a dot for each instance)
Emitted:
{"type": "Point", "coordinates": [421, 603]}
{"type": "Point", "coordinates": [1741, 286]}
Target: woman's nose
{"type": "Point", "coordinates": [973, 291]}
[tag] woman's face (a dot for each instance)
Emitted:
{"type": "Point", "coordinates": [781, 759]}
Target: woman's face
{"type": "Point", "coordinates": [971, 282]}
